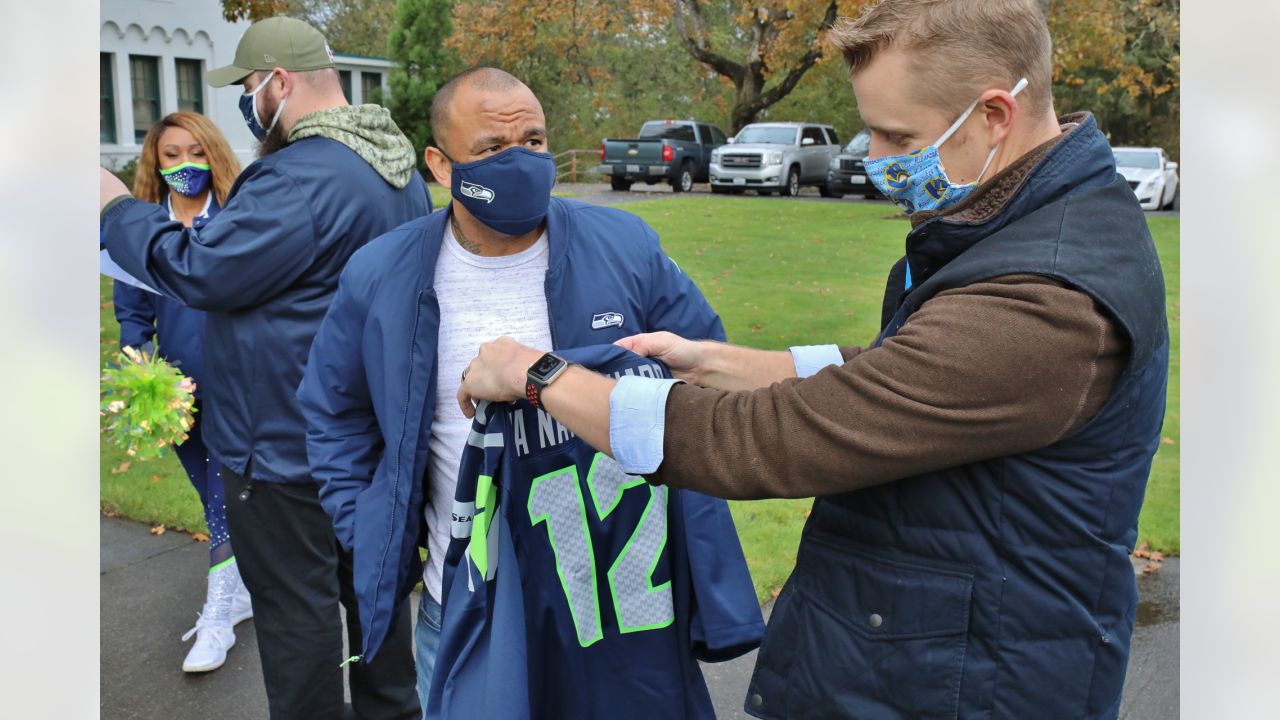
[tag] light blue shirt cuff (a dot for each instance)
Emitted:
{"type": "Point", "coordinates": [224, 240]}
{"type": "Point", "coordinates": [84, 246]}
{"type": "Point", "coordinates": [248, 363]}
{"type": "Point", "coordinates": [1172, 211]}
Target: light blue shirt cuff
{"type": "Point", "coordinates": [809, 359]}
{"type": "Point", "coordinates": [638, 421]}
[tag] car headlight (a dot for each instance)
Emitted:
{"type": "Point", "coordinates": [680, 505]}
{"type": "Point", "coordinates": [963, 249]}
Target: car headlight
{"type": "Point", "coordinates": [774, 158]}
{"type": "Point", "coordinates": [834, 164]}
{"type": "Point", "coordinates": [715, 156]}
{"type": "Point", "coordinates": [1150, 182]}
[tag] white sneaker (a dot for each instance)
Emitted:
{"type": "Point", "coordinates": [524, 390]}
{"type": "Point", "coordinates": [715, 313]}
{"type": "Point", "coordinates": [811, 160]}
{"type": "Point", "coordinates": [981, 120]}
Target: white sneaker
{"type": "Point", "coordinates": [213, 640]}
{"type": "Point", "coordinates": [213, 630]}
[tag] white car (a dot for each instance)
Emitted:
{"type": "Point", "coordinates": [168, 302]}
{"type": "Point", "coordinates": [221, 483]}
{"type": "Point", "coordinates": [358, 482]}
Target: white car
{"type": "Point", "coordinates": [1153, 177]}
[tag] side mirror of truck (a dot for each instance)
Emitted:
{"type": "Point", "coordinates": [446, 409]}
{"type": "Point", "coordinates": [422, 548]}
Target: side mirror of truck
{"type": "Point", "coordinates": [731, 140]}
{"type": "Point", "coordinates": [807, 141]}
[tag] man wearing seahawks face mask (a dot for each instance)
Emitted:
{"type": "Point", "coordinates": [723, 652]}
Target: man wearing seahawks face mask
{"type": "Point", "coordinates": [980, 464]}
{"type": "Point", "coordinates": [505, 257]}
{"type": "Point", "coordinates": [329, 178]}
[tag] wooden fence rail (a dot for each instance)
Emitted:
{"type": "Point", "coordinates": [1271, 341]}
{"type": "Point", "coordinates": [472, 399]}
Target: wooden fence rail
{"type": "Point", "coordinates": [569, 168]}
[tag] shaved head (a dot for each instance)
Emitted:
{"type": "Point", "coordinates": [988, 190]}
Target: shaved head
{"type": "Point", "coordinates": [487, 79]}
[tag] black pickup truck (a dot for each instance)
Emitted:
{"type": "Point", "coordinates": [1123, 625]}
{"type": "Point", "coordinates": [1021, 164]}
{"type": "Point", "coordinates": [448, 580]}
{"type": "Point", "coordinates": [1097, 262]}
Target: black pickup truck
{"type": "Point", "coordinates": [678, 151]}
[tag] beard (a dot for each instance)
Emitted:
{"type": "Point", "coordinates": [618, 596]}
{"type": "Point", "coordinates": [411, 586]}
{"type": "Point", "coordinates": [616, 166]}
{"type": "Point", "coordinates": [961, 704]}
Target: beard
{"type": "Point", "coordinates": [276, 138]}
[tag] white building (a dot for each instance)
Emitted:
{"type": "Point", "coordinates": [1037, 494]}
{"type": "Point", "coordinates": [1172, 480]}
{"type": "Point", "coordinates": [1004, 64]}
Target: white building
{"type": "Point", "coordinates": [154, 54]}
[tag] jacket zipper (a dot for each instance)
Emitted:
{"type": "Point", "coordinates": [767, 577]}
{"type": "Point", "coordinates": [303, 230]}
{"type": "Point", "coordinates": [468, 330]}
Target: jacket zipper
{"type": "Point", "coordinates": [395, 483]}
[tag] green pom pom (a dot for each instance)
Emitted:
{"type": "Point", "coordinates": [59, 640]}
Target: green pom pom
{"type": "Point", "coordinates": [148, 403]}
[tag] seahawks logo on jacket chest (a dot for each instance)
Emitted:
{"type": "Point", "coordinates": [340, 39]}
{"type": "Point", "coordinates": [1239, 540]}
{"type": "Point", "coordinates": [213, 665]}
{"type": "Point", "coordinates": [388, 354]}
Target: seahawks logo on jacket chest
{"type": "Point", "coordinates": [603, 320]}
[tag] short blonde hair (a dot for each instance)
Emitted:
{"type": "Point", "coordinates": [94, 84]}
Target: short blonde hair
{"type": "Point", "coordinates": [958, 47]}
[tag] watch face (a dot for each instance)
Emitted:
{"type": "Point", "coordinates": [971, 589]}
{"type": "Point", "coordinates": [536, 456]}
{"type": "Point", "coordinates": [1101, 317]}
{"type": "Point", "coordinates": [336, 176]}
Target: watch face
{"type": "Point", "coordinates": [546, 365]}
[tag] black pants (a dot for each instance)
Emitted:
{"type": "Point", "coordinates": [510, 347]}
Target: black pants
{"type": "Point", "coordinates": [297, 573]}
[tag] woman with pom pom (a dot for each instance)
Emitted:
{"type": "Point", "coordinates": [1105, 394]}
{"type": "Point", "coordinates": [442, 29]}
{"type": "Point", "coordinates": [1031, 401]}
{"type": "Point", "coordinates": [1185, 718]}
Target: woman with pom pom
{"type": "Point", "coordinates": [187, 166]}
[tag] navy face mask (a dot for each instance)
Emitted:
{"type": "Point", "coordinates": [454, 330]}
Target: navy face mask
{"type": "Point", "coordinates": [510, 191]}
{"type": "Point", "coordinates": [249, 109]}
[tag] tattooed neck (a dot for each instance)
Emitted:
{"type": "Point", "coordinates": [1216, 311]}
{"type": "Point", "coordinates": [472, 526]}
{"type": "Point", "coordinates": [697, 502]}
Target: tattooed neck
{"type": "Point", "coordinates": [466, 243]}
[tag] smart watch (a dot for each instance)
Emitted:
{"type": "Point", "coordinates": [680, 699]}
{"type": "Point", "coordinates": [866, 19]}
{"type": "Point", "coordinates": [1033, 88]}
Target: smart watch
{"type": "Point", "coordinates": [541, 374]}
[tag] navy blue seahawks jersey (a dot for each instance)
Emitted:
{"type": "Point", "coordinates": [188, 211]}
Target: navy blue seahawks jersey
{"type": "Point", "coordinates": [574, 590]}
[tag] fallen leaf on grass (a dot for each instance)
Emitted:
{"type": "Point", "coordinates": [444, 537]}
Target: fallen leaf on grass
{"type": "Point", "coordinates": [199, 537]}
{"type": "Point", "coordinates": [155, 478]}
{"type": "Point", "coordinates": [157, 530]}
{"type": "Point", "coordinates": [120, 468]}
{"type": "Point", "coordinates": [1166, 441]}
{"type": "Point", "coordinates": [775, 592]}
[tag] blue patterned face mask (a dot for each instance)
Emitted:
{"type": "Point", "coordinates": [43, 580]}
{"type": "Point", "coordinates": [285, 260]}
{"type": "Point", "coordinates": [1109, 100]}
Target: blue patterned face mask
{"type": "Point", "coordinates": [917, 181]}
{"type": "Point", "coordinates": [188, 179]}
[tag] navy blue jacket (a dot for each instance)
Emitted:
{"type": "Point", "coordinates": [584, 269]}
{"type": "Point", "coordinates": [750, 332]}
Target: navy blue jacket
{"type": "Point", "coordinates": [369, 390]}
{"type": "Point", "coordinates": [265, 270]}
{"type": "Point", "coordinates": [1000, 588]}
{"type": "Point", "coordinates": [176, 329]}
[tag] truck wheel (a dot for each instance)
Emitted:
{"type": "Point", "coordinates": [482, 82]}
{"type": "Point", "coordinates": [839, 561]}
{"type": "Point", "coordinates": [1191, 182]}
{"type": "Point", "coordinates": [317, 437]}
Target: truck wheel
{"type": "Point", "coordinates": [792, 188]}
{"type": "Point", "coordinates": [827, 191]}
{"type": "Point", "coordinates": [684, 181]}
{"type": "Point", "coordinates": [619, 184]}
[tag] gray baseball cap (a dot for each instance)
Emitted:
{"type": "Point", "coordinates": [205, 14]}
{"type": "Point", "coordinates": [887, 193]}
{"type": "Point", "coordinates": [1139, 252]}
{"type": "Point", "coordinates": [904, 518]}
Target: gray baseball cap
{"type": "Point", "coordinates": [277, 42]}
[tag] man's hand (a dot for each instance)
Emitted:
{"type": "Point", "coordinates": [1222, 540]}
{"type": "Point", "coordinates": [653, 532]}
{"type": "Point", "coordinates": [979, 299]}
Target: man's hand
{"type": "Point", "coordinates": [109, 188]}
{"type": "Point", "coordinates": [686, 359]}
{"type": "Point", "coordinates": [713, 364]}
{"type": "Point", "coordinates": [497, 373]}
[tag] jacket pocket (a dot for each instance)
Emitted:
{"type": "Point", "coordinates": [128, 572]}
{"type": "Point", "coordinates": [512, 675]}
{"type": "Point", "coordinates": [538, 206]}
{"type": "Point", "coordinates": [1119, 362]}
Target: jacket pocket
{"type": "Point", "coordinates": [865, 635]}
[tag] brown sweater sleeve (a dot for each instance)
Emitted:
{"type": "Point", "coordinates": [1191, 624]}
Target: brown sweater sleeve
{"type": "Point", "coordinates": [1007, 365]}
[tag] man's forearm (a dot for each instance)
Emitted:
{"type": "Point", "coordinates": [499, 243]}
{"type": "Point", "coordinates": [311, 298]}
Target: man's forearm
{"type": "Point", "coordinates": [579, 399]}
{"type": "Point", "coordinates": [733, 367]}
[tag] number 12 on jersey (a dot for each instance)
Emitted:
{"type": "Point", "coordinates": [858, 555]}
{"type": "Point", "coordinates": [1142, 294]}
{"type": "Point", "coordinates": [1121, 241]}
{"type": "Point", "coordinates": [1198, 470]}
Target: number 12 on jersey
{"type": "Point", "coordinates": [556, 499]}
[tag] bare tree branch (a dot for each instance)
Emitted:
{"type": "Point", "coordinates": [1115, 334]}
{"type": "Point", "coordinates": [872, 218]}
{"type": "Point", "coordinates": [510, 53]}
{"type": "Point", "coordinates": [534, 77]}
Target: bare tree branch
{"type": "Point", "coordinates": [779, 91]}
{"type": "Point", "coordinates": [693, 30]}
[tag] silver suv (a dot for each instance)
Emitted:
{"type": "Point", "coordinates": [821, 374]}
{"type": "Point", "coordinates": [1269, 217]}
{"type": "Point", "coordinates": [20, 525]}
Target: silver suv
{"type": "Point", "coordinates": [768, 157]}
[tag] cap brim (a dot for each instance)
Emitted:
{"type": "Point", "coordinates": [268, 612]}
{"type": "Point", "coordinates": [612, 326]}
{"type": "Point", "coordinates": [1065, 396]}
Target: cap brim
{"type": "Point", "coordinates": [223, 76]}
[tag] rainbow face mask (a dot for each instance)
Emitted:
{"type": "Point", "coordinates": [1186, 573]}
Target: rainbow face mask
{"type": "Point", "coordinates": [188, 179]}
{"type": "Point", "coordinates": [917, 181]}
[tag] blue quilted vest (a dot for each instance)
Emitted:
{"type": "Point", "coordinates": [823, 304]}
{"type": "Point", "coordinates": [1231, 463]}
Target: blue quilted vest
{"type": "Point", "coordinates": [1001, 588]}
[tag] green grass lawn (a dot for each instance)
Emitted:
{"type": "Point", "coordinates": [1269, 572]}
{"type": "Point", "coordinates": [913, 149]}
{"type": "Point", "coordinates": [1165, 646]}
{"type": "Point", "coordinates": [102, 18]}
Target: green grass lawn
{"type": "Point", "coordinates": [779, 273]}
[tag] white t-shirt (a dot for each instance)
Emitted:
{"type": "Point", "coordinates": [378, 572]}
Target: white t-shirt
{"type": "Point", "coordinates": [480, 299]}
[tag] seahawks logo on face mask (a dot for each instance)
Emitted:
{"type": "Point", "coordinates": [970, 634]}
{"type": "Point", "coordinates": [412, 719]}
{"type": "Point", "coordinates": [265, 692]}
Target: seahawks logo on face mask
{"type": "Point", "coordinates": [477, 192]}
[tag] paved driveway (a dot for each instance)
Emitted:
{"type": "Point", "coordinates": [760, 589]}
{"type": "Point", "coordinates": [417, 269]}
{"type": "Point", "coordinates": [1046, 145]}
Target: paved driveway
{"type": "Point", "coordinates": [152, 586]}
